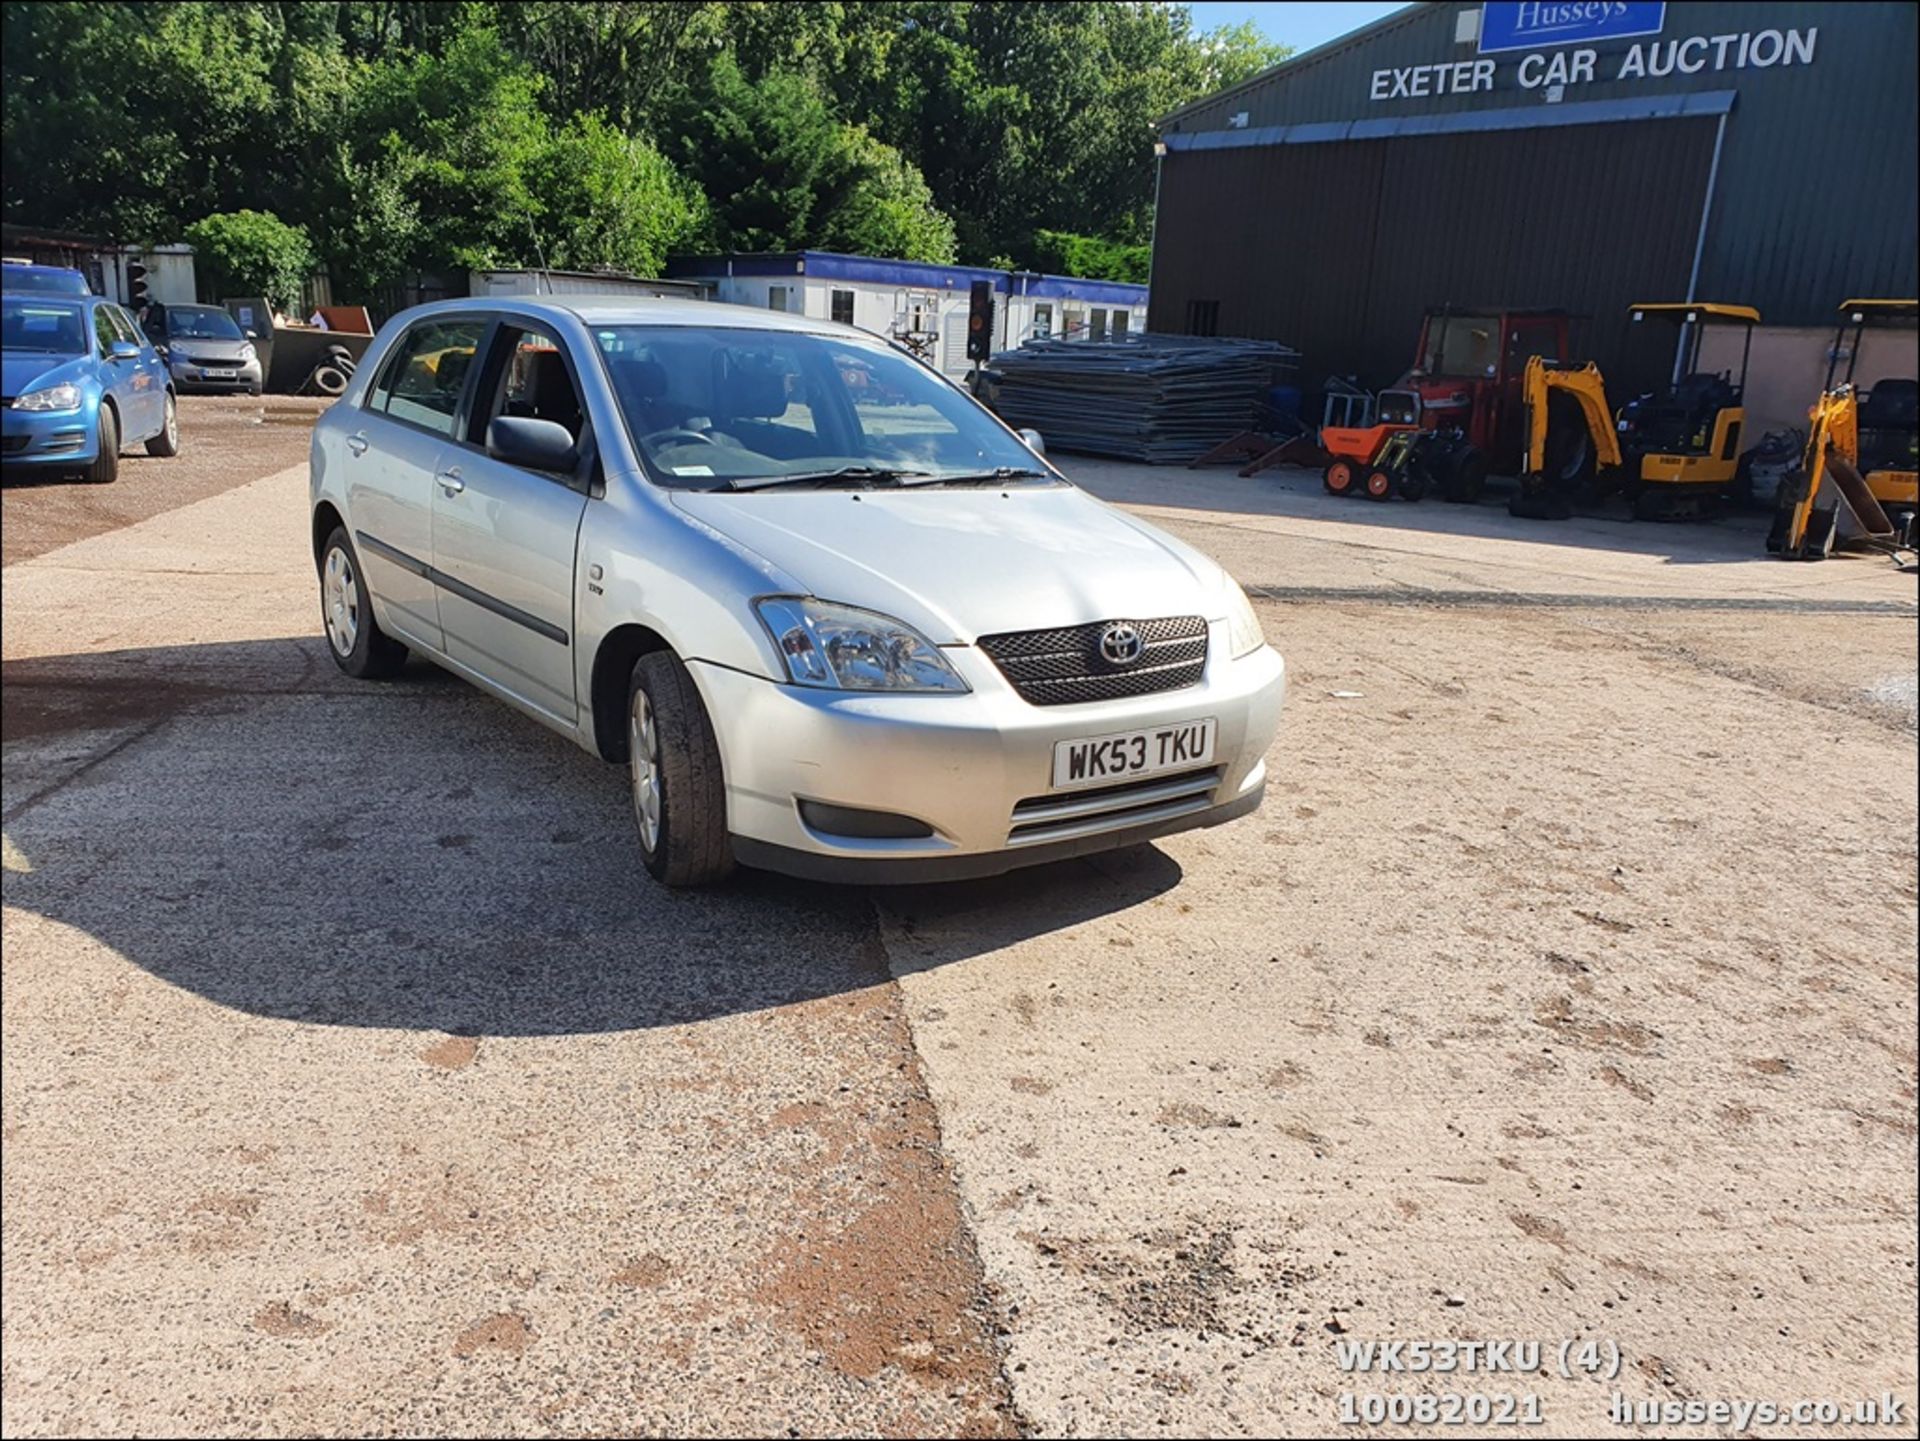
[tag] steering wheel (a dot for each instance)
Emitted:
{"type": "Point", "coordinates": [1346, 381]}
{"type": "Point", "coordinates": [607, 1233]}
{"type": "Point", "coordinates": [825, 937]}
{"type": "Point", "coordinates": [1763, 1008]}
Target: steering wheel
{"type": "Point", "coordinates": [678, 432]}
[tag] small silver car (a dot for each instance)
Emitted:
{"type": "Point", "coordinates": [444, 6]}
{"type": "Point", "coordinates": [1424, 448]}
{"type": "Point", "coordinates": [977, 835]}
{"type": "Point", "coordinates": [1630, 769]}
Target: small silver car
{"type": "Point", "coordinates": [836, 619]}
{"type": "Point", "coordinates": [205, 349]}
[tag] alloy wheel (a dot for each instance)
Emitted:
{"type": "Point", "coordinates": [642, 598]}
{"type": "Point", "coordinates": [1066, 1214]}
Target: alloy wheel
{"type": "Point", "coordinates": [643, 745]}
{"type": "Point", "coordinates": [340, 597]}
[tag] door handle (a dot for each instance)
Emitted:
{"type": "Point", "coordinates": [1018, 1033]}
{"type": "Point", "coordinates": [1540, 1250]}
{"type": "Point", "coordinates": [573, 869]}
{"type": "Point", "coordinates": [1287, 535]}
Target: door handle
{"type": "Point", "coordinates": [357, 442]}
{"type": "Point", "coordinates": [450, 481]}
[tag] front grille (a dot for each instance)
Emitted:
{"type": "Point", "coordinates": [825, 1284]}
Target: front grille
{"type": "Point", "coordinates": [209, 363]}
{"type": "Point", "coordinates": [1066, 815]}
{"type": "Point", "coordinates": [13, 443]}
{"type": "Point", "coordinates": [1065, 667]}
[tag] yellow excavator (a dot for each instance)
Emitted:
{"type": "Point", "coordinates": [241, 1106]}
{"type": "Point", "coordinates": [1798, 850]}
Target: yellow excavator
{"type": "Point", "coordinates": [1862, 453]}
{"type": "Point", "coordinates": [1570, 438]}
{"type": "Point", "coordinates": [1682, 440]}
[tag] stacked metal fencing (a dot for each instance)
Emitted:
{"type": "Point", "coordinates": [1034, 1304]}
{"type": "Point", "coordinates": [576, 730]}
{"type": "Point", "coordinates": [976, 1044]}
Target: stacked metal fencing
{"type": "Point", "coordinates": [1163, 399]}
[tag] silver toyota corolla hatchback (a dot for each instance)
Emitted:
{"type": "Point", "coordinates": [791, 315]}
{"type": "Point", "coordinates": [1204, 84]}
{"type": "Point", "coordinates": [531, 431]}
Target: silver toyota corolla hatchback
{"type": "Point", "coordinates": [834, 616]}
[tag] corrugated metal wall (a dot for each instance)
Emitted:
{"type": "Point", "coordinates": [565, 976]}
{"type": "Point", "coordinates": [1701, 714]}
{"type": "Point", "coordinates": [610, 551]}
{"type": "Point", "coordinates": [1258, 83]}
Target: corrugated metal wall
{"type": "Point", "coordinates": [1815, 198]}
{"type": "Point", "coordinates": [1339, 247]}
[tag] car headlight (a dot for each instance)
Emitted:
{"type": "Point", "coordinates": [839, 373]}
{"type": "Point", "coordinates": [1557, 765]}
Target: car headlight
{"type": "Point", "coordinates": [1244, 635]}
{"type": "Point", "coordinates": [64, 396]}
{"type": "Point", "coordinates": [247, 352]}
{"type": "Point", "coordinates": [839, 647]}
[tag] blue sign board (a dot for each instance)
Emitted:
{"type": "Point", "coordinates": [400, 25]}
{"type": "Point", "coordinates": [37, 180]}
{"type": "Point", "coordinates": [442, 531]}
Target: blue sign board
{"type": "Point", "coordinates": [1537, 24]}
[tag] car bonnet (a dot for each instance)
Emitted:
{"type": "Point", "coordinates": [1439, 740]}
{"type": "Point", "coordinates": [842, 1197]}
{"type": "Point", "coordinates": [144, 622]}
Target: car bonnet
{"type": "Point", "coordinates": [966, 562]}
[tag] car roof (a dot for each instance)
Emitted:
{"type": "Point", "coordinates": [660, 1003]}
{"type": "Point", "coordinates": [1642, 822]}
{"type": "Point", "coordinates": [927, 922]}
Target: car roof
{"type": "Point", "coordinates": [598, 310]}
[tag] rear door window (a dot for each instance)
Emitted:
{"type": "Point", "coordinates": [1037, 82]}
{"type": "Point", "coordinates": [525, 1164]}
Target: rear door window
{"type": "Point", "coordinates": [424, 381]}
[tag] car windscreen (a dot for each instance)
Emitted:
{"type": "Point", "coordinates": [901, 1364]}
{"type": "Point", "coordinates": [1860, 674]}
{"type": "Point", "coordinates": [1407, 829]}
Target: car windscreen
{"type": "Point", "coordinates": [201, 322]}
{"type": "Point", "coordinates": [713, 406]}
{"type": "Point", "coordinates": [1462, 345]}
{"type": "Point", "coordinates": [45, 325]}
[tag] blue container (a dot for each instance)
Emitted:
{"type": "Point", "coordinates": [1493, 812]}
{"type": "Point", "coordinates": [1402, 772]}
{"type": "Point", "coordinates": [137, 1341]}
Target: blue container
{"type": "Point", "coordinates": [1285, 400]}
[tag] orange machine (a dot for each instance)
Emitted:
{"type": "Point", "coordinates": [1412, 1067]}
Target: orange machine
{"type": "Point", "coordinates": [1354, 449]}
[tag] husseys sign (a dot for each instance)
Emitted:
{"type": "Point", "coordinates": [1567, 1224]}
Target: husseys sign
{"type": "Point", "coordinates": [1533, 23]}
{"type": "Point", "coordinates": [1553, 32]}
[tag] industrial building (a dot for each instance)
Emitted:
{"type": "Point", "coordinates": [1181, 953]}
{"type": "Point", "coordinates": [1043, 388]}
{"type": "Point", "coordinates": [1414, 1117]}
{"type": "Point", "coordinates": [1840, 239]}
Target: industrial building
{"type": "Point", "coordinates": [922, 306]}
{"type": "Point", "coordinates": [1580, 156]}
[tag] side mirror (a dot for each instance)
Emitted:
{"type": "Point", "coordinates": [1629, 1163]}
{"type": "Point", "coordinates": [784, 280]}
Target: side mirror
{"type": "Point", "coordinates": [253, 335]}
{"type": "Point", "coordinates": [532, 444]}
{"type": "Point", "coordinates": [1035, 441]}
{"type": "Point", "coordinates": [125, 350]}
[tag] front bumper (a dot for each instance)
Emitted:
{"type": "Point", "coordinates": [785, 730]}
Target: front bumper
{"type": "Point", "coordinates": [48, 437]}
{"type": "Point", "coordinates": [963, 765]}
{"type": "Point", "coordinates": [191, 376]}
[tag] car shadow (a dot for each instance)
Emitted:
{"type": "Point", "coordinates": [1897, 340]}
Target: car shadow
{"type": "Point", "coordinates": [247, 824]}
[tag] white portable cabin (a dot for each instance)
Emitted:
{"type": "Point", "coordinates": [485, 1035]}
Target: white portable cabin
{"type": "Point", "coordinates": [921, 305]}
{"type": "Point", "coordinates": [578, 282]}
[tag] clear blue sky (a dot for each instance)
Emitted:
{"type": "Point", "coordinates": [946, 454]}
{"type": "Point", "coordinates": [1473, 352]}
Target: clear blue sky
{"type": "Point", "coordinates": [1302, 26]}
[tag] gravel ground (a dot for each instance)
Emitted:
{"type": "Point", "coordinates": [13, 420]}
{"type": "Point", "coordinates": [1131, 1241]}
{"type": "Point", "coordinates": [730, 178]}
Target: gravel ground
{"type": "Point", "coordinates": [225, 440]}
{"type": "Point", "coordinates": [1564, 987]}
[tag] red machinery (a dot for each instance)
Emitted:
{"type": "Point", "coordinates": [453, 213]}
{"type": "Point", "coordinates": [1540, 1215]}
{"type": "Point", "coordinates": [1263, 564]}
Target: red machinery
{"type": "Point", "coordinates": [1463, 394]}
{"type": "Point", "coordinates": [1468, 372]}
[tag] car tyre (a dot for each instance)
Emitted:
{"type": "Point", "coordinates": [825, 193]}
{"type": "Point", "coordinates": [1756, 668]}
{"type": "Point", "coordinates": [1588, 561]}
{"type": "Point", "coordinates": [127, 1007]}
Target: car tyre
{"type": "Point", "coordinates": [167, 442]}
{"type": "Point", "coordinates": [673, 760]}
{"type": "Point", "coordinates": [354, 638]}
{"type": "Point", "coordinates": [106, 463]}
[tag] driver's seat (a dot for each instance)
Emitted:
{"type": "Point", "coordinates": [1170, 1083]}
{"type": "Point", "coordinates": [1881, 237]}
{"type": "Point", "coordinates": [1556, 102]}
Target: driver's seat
{"type": "Point", "coordinates": [641, 386]}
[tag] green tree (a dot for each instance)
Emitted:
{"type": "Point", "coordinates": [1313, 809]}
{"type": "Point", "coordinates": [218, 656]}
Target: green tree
{"type": "Point", "coordinates": [1060, 253]}
{"type": "Point", "coordinates": [614, 57]}
{"type": "Point", "coordinates": [440, 134]}
{"type": "Point", "coordinates": [888, 211]}
{"type": "Point", "coordinates": [457, 132]}
{"type": "Point", "coordinates": [783, 173]}
{"type": "Point", "coordinates": [610, 199]}
{"type": "Point", "coordinates": [248, 252]}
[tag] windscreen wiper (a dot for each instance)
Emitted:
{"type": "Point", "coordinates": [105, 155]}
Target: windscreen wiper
{"type": "Point", "coordinates": [985, 477]}
{"type": "Point", "coordinates": [859, 474]}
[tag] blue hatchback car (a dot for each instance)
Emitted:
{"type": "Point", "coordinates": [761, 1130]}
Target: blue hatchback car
{"type": "Point", "coordinates": [77, 382]}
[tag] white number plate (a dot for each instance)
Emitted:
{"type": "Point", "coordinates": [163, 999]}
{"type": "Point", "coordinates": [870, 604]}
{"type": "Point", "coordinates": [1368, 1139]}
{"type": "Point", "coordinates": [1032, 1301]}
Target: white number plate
{"type": "Point", "coordinates": [219, 374]}
{"type": "Point", "coordinates": [1127, 755]}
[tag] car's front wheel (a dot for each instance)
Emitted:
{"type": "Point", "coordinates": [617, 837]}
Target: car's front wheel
{"type": "Point", "coordinates": [679, 796]}
{"type": "Point", "coordinates": [167, 442]}
{"type": "Point", "coordinates": [359, 646]}
{"type": "Point", "coordinates": [106, 460]}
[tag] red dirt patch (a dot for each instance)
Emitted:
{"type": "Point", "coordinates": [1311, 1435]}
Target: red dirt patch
{"type": "Point", "coordinates": [506, 1332]}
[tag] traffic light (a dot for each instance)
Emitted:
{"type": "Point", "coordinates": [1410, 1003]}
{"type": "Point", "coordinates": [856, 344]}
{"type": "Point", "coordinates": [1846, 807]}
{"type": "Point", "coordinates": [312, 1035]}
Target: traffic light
{"type": "Point", "coordinates": [138, 296]}
{"type": "Point", "coordinates": [980, 321]}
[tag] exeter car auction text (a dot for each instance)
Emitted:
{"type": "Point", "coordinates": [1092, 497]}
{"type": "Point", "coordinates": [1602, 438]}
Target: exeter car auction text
{"type": "Point", "coordinates": [1652, 59]}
